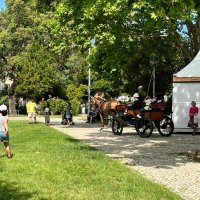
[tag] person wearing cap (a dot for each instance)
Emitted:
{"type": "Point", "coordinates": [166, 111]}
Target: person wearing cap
{"type": "Point", "coordinates": [135, 102]}
{"type": "Point", "coordinates": [31, 110]}
{"type": "Point", "coordinates": [135, 97]}
{"type": "Point", "coordinates": [4, 135]}
{"type": "Point", "coordinates": [148, 100]}
{"type": "Point", "coordinates": [142, 94]}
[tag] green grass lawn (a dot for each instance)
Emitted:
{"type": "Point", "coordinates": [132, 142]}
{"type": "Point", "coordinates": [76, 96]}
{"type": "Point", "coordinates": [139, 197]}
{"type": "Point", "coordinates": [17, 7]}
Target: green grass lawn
{"type": "Point", "coordinates": [50, 165]}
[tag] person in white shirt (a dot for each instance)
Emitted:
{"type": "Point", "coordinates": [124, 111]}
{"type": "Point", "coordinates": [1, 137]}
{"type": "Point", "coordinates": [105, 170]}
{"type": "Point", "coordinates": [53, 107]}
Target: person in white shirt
{"type": "Point", "coordinates": [47, 113]}
{"type": "Point", "coordinates": [148, 100]}
{"type": "Point", "coordinates": [4, 135]}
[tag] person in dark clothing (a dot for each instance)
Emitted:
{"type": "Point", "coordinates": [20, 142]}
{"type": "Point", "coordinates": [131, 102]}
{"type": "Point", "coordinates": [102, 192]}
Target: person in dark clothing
{"type": "Point", "coordinates": [92, 115]}
{"type": "Point", "coordinates": [68, 115]}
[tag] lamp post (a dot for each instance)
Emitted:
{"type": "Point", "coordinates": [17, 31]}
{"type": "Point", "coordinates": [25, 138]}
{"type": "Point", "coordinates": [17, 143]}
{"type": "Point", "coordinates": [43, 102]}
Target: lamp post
{"type": "Point", "coordinates": [154, 80]}
{"type": "Point", "coordinates": [153, 77]}
{"type": "Point", "coordinates": [89, 74]}
{"type": "Point", "coordinates": [89, 82]}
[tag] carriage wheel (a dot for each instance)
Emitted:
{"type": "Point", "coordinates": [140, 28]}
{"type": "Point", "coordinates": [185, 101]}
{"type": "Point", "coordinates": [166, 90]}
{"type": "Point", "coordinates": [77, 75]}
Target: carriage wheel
{"type": "Point", "coordinates": [117, 126]}
{"type": "Point", "coordinates": [166, 126]}
{"type": "Point", "coordinates": [144, 127]}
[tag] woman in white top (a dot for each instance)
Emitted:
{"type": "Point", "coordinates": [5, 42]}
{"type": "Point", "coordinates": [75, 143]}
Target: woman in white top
{"type": "Point", "coordinates": [4, 135]}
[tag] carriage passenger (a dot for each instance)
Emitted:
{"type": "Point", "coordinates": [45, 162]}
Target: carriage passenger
{"type": "Point", "coordinates": [135, 102]}
{"type": "Point", "coordinates": [148, 100]}
{"type": "Point", "coordinates": [159, 98]}
{"type": "Point", "coordinates": [135, 98]}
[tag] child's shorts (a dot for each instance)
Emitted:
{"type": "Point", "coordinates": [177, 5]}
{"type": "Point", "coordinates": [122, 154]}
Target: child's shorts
{"type": "Point", "coordinates": [4, 137]}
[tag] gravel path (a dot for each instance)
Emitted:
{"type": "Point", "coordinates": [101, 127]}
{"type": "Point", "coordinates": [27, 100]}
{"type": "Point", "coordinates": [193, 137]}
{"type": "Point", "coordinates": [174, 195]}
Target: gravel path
{"type": "Point", "coordinates": [161, 159]}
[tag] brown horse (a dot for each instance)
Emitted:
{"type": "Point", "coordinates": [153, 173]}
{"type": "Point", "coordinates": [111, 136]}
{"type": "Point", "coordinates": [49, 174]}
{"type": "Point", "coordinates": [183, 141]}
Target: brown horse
{"type": "Point", "coordinates": [105, 108]}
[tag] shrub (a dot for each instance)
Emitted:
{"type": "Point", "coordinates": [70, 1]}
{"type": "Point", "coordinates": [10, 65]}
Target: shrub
{"type": "Point", "coordinates": [42, 106]}
{"type": "Point", "coordinates": [4, 100]}
{"type": "Point", "coordinates": [75, 95]}
{"type": "Point", "coordinates": [56, 105]}
{"type": "Point", "coordinates": [75, 106]}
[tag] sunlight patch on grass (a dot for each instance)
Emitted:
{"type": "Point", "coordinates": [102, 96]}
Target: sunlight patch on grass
{"type": "Point", "coordinates": [48, 164]}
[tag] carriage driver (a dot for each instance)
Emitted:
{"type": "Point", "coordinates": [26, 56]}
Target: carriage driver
{"type": "Point", "coordinates": [142, 94]}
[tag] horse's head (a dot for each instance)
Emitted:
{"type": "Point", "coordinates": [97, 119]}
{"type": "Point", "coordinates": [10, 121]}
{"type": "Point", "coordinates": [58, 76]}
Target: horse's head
{"type": "Point", "coordinates": [96, 100]}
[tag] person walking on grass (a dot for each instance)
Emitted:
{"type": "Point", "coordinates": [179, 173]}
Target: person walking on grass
{"type": "Point", "coordinates": [31, 110]}
{"type": "Point", "coordinates": [4, 135]}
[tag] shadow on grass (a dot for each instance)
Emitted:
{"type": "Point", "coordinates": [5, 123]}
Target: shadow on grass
{"type": "Point", "coordinates": [82, 147]}
{"type": "Point", "coordinates": [11, 191]}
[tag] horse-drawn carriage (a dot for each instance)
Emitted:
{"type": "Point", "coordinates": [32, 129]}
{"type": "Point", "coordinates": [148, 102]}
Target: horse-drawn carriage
{"type": "Point", "coordinates": [144, 124]}
{"type": "Point", "coordinates": [123, 115]}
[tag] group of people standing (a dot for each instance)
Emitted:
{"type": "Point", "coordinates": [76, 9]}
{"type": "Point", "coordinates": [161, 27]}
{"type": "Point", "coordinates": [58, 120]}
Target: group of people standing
{"type": "Point", "coordinates": [32, 108]}
{"type": "Point", "coordinates": [32, 112]}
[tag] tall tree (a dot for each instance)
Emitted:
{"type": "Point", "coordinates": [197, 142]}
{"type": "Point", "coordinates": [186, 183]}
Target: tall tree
{"type": "Point", "coordinates": [134, 35]}
{"type": "Point", "coordinates": [39, 72]}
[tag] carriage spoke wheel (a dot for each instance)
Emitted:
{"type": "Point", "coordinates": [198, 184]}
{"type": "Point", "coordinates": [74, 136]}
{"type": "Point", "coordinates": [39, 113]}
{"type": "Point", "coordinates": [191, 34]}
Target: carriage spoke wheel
{"type": "Point", "coordinates": [117, 126]}
{"type": "Point", "coordinates": [144, 127]}
{"type": "Point", "coordinates": [166, 126]}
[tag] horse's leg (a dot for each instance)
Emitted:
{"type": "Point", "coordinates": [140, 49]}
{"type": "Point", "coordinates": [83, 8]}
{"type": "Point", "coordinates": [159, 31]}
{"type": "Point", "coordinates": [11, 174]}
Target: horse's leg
{"type": "Point", "coordinates": [102, 122]}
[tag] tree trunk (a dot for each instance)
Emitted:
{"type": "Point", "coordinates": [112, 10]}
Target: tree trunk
{"type": "Point", "coordinates": [12, 101]}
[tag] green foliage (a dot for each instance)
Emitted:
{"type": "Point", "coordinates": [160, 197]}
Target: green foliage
{"type": "Point", "coordinates": [29, 50]}
{"type": "Point", "coordinates": [102, 85]}
{"type": "Point", "coordinates": [75, 105]}
{"type": "Point", "coordinates": [38, 72]}
{"type": "Point", "coordinates": [4, 99]}
{"type": "Point", "coordinates": [131, 38]}
{"type": "Point", "coordinates": [128, 34]}
{"type": "Point", "coordinates": [75, 95]}
{"type": "Point", "coordinates": [56, 105]}
{"type": "Point", "coordinates": [42, 105]}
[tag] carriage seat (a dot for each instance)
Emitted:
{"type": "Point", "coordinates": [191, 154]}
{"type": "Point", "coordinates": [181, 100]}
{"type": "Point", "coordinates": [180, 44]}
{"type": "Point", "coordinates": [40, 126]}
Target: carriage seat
{"type": "Point", "coordinates": [157, 111]}
{"type": "Point", "coordinates": [136, 105]}
{"type": "Point", "coordinates": [158, 106]}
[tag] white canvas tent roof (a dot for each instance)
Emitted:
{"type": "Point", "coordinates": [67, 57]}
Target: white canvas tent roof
{"type": "Point", "coordinates": [190, 73]}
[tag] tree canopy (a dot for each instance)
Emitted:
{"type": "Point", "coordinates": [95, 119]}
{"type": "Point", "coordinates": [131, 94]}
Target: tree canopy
{"type": "Point", "coordinates": [44, 44]}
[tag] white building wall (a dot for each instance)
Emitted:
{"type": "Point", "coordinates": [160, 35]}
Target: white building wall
{"type": "Point", "coordinates": [183, 94]}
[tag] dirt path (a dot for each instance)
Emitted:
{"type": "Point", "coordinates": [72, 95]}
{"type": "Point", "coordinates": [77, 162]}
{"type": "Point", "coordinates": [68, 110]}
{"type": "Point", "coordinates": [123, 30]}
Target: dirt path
{"type": "Point", "coordinates": [161, 159]}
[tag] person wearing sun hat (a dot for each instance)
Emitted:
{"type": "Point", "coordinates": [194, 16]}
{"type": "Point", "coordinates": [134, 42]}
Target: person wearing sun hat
{"type": "Point", "coordinates": [4, 135]}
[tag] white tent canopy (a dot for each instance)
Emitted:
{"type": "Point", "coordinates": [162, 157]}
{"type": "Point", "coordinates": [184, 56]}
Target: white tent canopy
{"type": "Point", "coordinates": [186, 88]}
{"type": "Point", "coordinates": [192, 69]}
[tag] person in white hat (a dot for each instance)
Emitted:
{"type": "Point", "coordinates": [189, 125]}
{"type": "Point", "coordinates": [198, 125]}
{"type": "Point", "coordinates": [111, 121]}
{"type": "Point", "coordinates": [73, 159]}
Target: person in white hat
{"type": "Point", "coordinates": [135, 97]}
{"type": "Point", "coordinates": [4, 135]}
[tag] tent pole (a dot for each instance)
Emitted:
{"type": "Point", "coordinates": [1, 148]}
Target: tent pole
{"type": "Point", "coordinates": [154, 77]}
